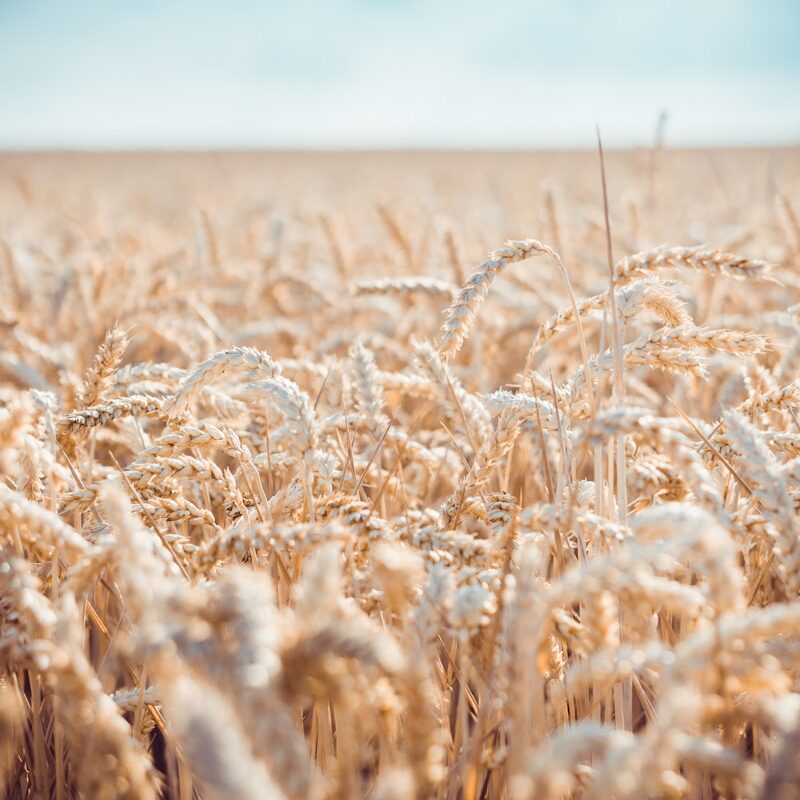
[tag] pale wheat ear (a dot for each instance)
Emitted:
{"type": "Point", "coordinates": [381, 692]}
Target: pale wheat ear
{"type": "Point", "coordinates": [255, 363]}
{"type": "Point", "coordinates": [704, 259]}
{"type": "Point", "coordinates": [98, 378]}
{"type": "Point", "coordinates": [408, 287]}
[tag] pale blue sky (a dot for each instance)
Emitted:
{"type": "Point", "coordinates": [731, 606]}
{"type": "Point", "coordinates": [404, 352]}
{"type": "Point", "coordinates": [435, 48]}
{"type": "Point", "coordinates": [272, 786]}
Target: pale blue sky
{"type": "Point", "coordinates": [397, 73]}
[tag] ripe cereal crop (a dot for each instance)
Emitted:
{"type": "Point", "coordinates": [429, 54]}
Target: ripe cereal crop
{"type": "Point", "coordinates": [400, 476]}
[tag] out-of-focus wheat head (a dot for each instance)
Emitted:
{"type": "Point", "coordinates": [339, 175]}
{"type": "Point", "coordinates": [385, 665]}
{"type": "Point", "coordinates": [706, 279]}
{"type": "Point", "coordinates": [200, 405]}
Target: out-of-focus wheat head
{"type": "Point", "coordinates": [294, 504]}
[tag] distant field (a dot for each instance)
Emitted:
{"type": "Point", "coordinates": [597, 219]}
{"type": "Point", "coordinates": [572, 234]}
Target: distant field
{"type": "Point", "coordinates": [304, 495]}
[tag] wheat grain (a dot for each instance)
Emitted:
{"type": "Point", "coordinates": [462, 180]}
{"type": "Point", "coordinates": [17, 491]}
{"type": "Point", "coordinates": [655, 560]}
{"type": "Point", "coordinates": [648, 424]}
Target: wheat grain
{"type": "Point", "coordinates": [461, 313]}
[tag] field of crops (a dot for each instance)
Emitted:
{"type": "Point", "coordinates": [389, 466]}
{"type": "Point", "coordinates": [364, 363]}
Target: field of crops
{"type": "Point", "coordinates": [304, 495]}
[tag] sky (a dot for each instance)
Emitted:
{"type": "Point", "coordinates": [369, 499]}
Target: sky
{"type": "Point", "coordinates": [397, 73]}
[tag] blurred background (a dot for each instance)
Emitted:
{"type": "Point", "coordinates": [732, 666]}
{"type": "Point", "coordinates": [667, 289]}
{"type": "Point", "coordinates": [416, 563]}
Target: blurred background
{"type": "Point", "coordinates": [376, 74]}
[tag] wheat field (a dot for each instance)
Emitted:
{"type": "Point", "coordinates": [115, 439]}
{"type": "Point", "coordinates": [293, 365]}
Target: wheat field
{"type": "Point", "coordinates": [304, 495]}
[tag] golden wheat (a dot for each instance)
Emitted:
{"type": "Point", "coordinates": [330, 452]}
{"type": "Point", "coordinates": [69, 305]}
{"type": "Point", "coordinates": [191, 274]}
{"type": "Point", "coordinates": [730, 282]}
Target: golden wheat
{"type": "Point", "coordinates": [268, 530]}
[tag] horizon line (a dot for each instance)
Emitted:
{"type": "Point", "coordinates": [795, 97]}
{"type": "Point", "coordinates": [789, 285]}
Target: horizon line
{"type": "Point", "coordinates": [8, 150]}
